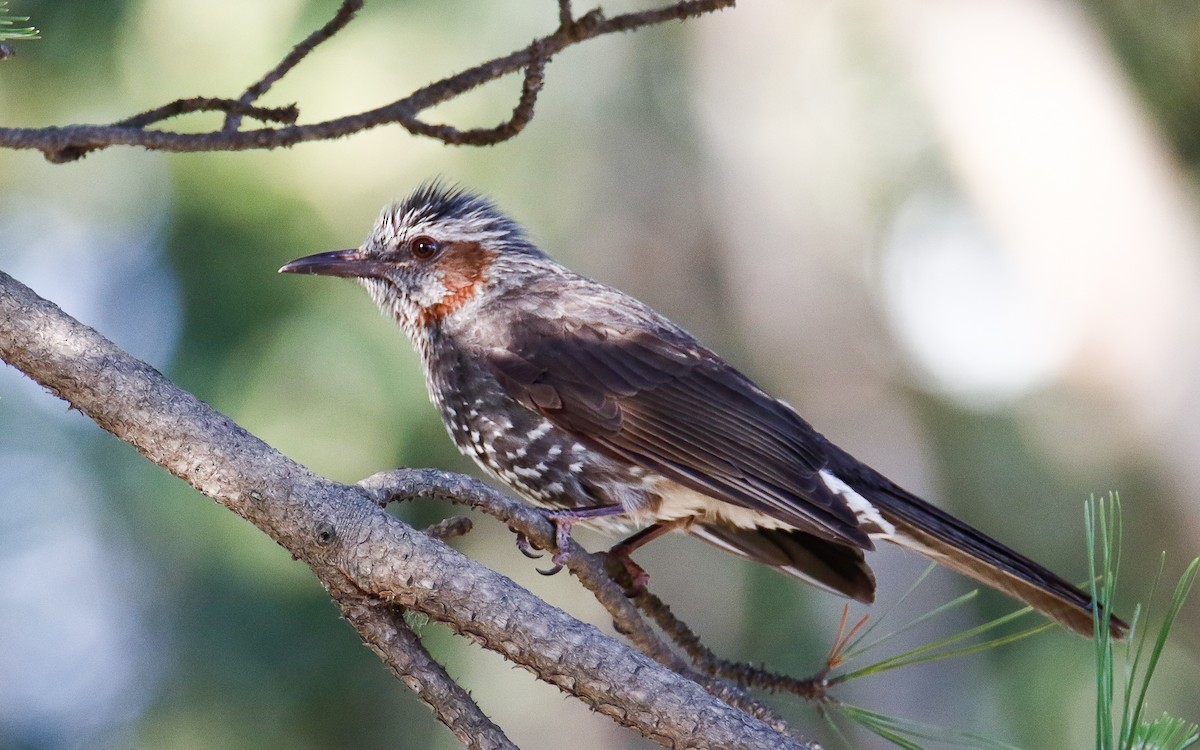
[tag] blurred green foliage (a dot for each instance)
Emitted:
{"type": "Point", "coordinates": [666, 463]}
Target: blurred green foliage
{"type": "Point", "coordinates": [238, 646]}
{"type": "Point", "coordinates": [1159, 44]}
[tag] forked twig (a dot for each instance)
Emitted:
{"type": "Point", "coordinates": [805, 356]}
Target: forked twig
{"type": "Point", "coordinates": [344, 15]}
{"type": "Point", "coordinates": [71, 142]}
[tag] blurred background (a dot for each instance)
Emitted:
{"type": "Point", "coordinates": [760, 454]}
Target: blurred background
{"type": "Point", "coordinates": [960, 236]}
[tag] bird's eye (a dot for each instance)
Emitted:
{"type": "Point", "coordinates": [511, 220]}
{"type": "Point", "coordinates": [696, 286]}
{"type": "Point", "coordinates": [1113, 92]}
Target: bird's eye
{"type": "Point", "coordinates": [424, 248]}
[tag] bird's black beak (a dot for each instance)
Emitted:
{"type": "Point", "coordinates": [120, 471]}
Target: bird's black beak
{"type": "Point", "coordinates": [350, 263]}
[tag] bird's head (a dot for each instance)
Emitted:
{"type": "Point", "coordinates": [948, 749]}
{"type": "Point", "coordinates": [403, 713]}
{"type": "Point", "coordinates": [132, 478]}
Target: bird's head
{"type": "Point", "coordinates": [431, 254]}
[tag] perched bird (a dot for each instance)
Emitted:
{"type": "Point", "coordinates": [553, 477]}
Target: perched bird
{"type": "Point", "coordinates": [586, 401]}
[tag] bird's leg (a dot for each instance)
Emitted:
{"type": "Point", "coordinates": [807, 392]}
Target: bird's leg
{"type": "Point", "coordinates": [621, 551]}
{"type": "Point", "coordinates": [563, 520]}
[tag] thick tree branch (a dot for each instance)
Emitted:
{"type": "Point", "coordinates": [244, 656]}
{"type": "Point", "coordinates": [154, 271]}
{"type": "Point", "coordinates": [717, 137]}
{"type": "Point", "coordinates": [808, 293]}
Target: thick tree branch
{"type": "Point", "coordinates": [67, 143]}
{"type": "Point", "coordinates": [590, 569]}
{"type": "Point", "coordinates": [355, 549]}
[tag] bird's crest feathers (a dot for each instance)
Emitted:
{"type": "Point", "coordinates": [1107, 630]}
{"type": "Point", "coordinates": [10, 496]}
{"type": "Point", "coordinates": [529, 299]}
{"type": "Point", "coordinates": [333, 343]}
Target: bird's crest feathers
{"type": "Point", "coordinates": [452, 214]}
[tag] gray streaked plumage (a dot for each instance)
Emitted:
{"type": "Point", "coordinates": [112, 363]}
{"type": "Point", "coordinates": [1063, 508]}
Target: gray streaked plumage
{"type": "Point", "coordinates": [578, 396]}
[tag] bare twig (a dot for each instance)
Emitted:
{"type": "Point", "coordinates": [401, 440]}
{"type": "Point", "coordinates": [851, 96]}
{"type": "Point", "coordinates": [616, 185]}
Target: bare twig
{"type": "Point", "coordinates": [566, 16]}
{"type": "Point", "coordinates": [62, 144]}
{"type": "Point", "coordinates": [448, 528]}
{"type": "Point", "coordinates": [406, 484]}
{"type": "Point", "coordinates": [747, 675]}
{"type": "Point", "coordinates": [384, 631]}
{"type": "Point", "coordinates": [286, 115]}
{"type": "Point", "coordinates": [344, 15]}
{"type": "Point", "coordinates": [522, 114]}
{"type": "Point", "coordinates": [352, 546]}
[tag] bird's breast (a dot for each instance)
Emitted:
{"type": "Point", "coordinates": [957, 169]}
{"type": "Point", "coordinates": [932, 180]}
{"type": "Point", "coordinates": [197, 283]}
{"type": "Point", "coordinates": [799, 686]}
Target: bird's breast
{"type": "Point", "coordinates": [522, 449]}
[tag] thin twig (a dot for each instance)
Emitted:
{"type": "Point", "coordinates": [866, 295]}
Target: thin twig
{"type": "Point", "coordinates": [63, 144]}
{"type": "Point", "coordinates": [609, 584]}
{"type": "Point", "coordinates": [383, 629]}
{"type": "Point", "coordinates": [344, 15]}
{"type": "Point", "coordinates": [449, 528]}
{"type": "Point", "coordinates": [747, 675]}
{"type": "Point", "coordinates": [566, 16]}
{"type": "Point", "coordinates": [286, 115]}
{"type": "Point", "coordinates": [522, 114]}
{"type": "Point", "coordinates": [406, 484]}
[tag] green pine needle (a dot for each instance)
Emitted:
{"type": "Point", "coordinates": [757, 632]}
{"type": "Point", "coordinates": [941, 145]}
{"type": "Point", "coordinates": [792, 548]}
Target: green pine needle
{"type": "Point", "coordinates": [853, 648]}
{"type": "Point", "coordinates": [1182, 588]}
{"type": "Point", "coordinates": [27, 32]}
{"type": "Point", "coordinates": [1132, 732]}
{"type": "Point", "coordinates": [938, 650]}
{"type": "Point", "coordinates": [1103, 540]}
{"type": "Point", "coordinates": [905, 733]}
{"type": "Point", "coordinates": [1166, 733]}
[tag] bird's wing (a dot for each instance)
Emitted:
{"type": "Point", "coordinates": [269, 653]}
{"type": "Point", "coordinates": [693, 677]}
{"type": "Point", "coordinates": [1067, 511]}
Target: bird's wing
{"type": "Point", "coordinates": [657, 398]}
{"type": "Point", "coordinates": [827, 565]}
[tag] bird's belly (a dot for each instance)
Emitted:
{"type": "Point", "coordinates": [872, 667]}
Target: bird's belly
{"type": "Point", "coordinates": [678, 502]}
{"type": "Point", "coordinates": [534, 458]}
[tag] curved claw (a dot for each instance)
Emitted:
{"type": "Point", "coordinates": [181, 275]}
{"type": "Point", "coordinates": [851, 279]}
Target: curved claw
{"type": "Point", "coordinates": [559, 559]}
{"type": "Point", "coordinates": [563, 520]}
{"type": "Point", "coordinates": [526, 548]}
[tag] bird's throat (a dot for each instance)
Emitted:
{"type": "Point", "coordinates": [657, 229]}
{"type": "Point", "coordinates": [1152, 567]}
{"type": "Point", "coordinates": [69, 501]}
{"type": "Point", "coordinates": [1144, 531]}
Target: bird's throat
{"type": "Point", "coordinates": [463, 271]}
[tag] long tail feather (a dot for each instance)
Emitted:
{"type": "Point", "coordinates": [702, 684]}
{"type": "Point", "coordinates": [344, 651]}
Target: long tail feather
{"type": "Point", "coordinates": [950, 542]}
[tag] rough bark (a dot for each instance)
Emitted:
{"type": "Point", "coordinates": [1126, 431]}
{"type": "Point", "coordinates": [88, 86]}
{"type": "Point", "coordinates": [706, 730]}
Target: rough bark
{"type": "Point", "coordinates": [366, 558]}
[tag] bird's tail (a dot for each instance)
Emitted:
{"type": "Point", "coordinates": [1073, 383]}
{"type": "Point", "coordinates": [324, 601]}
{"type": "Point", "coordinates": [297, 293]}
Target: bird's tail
{"type": "Point", "coordinates": [824, 564]}
{"type": "Point", "coordinates": [946, 540]}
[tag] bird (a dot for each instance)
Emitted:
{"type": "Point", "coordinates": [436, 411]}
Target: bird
{"type": "Point", "coordinates": [590, 404]}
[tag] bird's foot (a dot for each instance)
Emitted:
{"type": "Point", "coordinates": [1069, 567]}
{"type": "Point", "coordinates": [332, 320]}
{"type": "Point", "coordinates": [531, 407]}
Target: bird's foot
{"type": "Point", "coordinates": [639, 579]}
{"type": "Point", "coordinates": [621, 551]}
{"type": "Point", "coordinates": [563, 520]}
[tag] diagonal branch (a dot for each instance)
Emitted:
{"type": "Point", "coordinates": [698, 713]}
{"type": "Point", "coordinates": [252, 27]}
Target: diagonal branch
{"type": "Point", "coordinates": [68, 143]}
{"type": "Point", "coordinates": [345, 14]}
{"type": "Point", "coordinates": [590, 569]}
{"type": "Point", "coordinates": [741, 673]}
{"type": "Point", "coordinates": [353, 547]}
{"type": "Point", "coordinates": [384, 631]}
